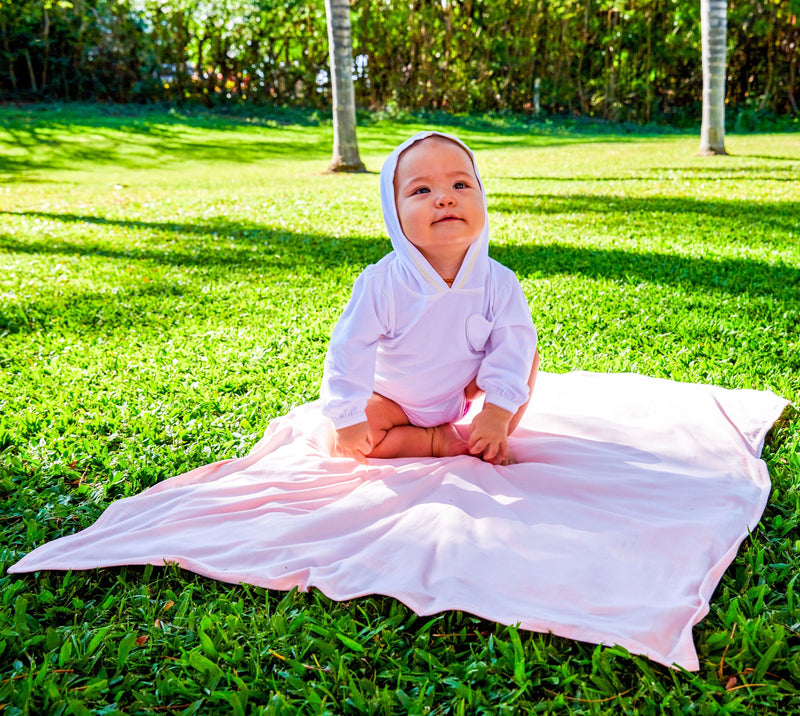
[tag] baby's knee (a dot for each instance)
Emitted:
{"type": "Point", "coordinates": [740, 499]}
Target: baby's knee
{"type": "Point", "coordinates": [383, 413]}
{"type": "Point", "coordinates": [534, 370]}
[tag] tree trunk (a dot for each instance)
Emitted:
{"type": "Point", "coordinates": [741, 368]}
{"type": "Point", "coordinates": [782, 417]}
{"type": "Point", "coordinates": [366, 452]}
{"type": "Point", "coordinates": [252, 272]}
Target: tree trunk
{"type": "Point", "coordinates": [10, 56]}
{"type": "Point", "coordinates": [46, 43]}
{"type": "Point", "coordinates": [30, 71]}
{"type": "Point", "coordinates": [649, 97]}
{"type": "Point", "coordinates": [345, 146]}
{"type": "Point", "coordinates": [789, 91]}
{"type": "Point", "coordinates": [713, 27]}
{"type": "Point", "coordinates": [182, 78]}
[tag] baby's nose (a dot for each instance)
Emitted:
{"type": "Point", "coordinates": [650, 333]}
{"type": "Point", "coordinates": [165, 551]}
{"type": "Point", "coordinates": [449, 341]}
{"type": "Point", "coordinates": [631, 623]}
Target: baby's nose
{"type": "Point", "coordinates": [445, 200]}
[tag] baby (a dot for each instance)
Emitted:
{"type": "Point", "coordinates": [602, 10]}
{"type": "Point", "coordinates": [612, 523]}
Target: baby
{"type": "Point", "coordinates": [433, 325]}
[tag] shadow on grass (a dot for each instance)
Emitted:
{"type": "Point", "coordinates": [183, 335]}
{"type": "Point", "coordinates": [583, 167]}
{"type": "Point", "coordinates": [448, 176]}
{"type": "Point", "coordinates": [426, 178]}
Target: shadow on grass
{"type": "Point", "coordinates": [67, 149]}
{"type": "Point", "coordinates": [770, 157]}
{"type": "Point", "coordinates": [732, 276]}
{"type": "Point", "coordinates": [58, 140]}
{"type": "Point", "coordinates": [780, 431]}
{"type": "Point", "coordinates": [260, 248]}
{"type": "Point", "coordinates": [255, 248]}
{"type": "Point", "coordinates": [281, 249]}
{"type": "Point", "coordinates": [143, 307]}
{"type": "Point", "coordinates": [764, 216]}
{"type": "Point", "coordinates": [679, 174]}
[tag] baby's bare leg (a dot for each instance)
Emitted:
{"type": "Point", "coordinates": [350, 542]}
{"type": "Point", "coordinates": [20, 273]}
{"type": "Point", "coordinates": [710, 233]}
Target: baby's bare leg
{"type": "Point", "coordinates": [472, 391]}
{"type": "Point", "coordinates": [383, 415]}
{"type": "Point", "coordinates": [394, 435]}
{"type": "Point", "coordinates": [412, 441]}
{"type": "Point", "coordinates": [531, 382]}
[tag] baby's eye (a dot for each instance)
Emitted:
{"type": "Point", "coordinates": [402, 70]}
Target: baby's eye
{"type": "Point", "coordinates": [420, 190]}
{"type": "Point", "coordinates": [460, 185]}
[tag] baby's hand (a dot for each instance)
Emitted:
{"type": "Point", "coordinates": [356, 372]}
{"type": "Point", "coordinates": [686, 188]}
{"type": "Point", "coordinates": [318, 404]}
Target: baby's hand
{"type": "Point", "coordinates": [354, 441]}
{"type": "Point", "coordinates": [488, 436]}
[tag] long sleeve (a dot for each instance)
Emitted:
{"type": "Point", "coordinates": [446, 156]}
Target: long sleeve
{"type": "Point", "coordinates": [505, 369]}
{"type": "Point", "coordinates": [349, 375]}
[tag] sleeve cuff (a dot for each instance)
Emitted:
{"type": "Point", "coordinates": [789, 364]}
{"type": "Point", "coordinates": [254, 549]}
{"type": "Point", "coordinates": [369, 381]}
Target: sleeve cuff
{"type": "Point", "coordinates": [503, 402]}
{"type": "Point", "coordinates": [345, 421]}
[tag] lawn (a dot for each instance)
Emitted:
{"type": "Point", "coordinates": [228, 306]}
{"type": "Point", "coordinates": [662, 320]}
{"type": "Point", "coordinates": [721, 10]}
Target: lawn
{"type": "Point", "coordinates": [168, 284]}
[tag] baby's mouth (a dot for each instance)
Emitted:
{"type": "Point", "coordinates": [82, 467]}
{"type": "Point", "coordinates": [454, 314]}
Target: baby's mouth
{"type": "Point", "coordinates": [447, 218]}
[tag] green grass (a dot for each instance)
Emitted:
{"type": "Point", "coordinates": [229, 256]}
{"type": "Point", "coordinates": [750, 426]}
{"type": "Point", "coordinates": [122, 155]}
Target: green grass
{"type": "Point", "coordinates": [168, 284]}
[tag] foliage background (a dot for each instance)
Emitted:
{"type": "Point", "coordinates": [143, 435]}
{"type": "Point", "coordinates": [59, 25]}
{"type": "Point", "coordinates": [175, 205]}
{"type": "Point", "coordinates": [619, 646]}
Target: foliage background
{"type": "Point", "coordinates": [630, 60]}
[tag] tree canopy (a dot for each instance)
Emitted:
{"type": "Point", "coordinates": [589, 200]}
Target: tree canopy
{"type": "Point", "coordinates": [636, 60]}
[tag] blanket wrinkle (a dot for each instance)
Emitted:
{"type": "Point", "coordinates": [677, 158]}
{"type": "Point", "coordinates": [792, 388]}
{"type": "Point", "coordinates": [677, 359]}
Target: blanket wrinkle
{"type": "Point", "coordinates": [631, 498]}
{"type": "Point", "coordinates": [755, 441]}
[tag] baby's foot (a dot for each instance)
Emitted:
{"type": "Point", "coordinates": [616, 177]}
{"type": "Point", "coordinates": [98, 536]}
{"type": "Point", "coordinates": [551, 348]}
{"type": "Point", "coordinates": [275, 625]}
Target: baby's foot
{"type": "Point", "coordinates": [509, 459]}
{"type": "Point", "coordinates": [446, 442]}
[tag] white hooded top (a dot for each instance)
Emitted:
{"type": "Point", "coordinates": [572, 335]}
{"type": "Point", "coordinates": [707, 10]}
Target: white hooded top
{"type": "Point", "coordinates": [410, 337]}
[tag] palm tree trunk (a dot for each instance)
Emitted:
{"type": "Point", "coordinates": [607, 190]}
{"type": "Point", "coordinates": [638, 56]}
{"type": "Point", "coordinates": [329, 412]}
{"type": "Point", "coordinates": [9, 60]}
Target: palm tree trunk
{"type": "Point", "coordinates": [714, 27]}
{"type": "Point", "coordinates": [345, 146]}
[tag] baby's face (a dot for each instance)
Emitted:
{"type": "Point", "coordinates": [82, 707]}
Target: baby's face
{"type": "Point", "coordinates": [438, 197]}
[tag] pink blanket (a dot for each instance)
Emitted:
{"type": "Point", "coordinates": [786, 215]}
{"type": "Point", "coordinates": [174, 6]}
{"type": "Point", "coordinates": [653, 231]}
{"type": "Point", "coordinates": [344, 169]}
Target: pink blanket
{"type": "Point", "coordinates": [630, 500]}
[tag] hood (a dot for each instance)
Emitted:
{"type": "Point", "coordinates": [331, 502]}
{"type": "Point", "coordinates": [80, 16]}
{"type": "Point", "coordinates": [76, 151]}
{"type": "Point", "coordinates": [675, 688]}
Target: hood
{"type": "Point", "coordinates": [418, 273]}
